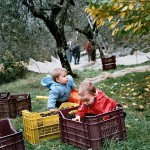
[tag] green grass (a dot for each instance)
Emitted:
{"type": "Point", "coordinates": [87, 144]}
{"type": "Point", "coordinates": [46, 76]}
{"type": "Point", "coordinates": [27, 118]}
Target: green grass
{"type": "Point", "coordinates": [134, 88]}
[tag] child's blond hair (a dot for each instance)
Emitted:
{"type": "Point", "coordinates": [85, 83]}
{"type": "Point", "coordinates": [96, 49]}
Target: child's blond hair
{"type": "Point", "coordinates": [56, 72]}
{"type": "Point", "coordinates": [86, 87]}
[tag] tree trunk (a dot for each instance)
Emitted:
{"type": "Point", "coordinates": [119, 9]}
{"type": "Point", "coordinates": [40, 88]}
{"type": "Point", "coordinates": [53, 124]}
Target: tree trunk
{"type": "Point", "coordinates": [93, 50]}
{"type": "Point", "coordinates": [60, 38]}
{"type": "Point", "coordinates": [64, 62]}
{"type": "Point", "coordinates": [93, 55]}
{"type": "Point", "coordinates": [54, 24]}
{"type": "Point", "coordinates": [101, 52]}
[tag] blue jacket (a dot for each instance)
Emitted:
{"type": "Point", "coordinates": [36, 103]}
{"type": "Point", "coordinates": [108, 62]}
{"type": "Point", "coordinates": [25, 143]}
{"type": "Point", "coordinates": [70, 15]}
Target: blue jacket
{"type": "Point", "coordinates": [57, 91]}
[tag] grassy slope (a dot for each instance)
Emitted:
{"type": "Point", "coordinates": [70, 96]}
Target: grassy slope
{"type": "Point", "coordinates": [127, 90]}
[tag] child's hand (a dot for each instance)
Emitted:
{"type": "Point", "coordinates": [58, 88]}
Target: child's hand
{"type": "Point", "coordinates": [77, 118]}
{"type": "Point", "coordinates": [52, 110]}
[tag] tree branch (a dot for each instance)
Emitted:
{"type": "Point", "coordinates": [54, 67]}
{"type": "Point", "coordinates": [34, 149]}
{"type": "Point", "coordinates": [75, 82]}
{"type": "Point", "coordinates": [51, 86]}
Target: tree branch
{"type": "Point", "coordinates": [86, 31]}
{"type": "Point", "coordinates": [63, 13]}
{"type": "Point", "coordinates": [37, 12]}
{"type": "Point", "coordinates": [55, 8]}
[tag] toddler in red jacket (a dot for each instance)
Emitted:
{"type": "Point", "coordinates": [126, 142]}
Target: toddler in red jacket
{"type": "Point", "coordinates": [93, 101]}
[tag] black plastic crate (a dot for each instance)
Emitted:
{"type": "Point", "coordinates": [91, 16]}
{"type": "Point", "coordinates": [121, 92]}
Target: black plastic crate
{"type": "Point", "coordinates": [9, 138]}
{"type": "Point", "coordinates": [4, 95]}
{"type": "Point", "coordinates": [13, 105]}
{"type": "Point", "coordinates": [93, 131]}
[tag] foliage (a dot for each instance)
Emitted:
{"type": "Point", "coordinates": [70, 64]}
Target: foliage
{"type": "Point", "coordinates": [11, 69]}
{"type": "Point", "coordinates": [23, 35]}
{"type": "Point", "coordinates": [121, 15]}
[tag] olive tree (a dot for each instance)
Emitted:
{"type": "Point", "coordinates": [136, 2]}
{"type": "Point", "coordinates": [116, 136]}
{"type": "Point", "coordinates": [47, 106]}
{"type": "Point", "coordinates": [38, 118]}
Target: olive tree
{"type": "Point", "coordinates": [54, 15]}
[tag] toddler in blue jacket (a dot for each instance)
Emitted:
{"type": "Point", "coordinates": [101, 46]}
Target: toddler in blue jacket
{"type": "Point", "coordinates": [60, 85]}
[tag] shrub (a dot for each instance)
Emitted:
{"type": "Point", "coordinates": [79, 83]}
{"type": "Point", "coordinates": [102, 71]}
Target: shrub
{"type": "Point", "coordinates": [11, 69]}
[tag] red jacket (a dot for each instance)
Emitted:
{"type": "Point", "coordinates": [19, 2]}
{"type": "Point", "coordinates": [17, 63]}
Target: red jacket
{"type": "Point", "coordinates": [87, 47]}
{"type": "Point", "coordinates": [102, 104]}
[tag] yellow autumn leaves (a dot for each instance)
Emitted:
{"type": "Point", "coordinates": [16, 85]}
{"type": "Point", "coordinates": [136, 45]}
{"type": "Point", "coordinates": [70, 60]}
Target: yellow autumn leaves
{"type": "Point", "coordinates": [120, 11]}
{"type": "Point", "coordinates": [134, 94]}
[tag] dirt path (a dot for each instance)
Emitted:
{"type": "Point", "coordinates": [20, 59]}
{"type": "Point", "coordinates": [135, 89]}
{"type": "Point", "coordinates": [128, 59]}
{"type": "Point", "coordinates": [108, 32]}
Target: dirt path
{"type": "Point", "coordinates": [119, 73]}
{"type": "Point", "coordinates": [47, 67]}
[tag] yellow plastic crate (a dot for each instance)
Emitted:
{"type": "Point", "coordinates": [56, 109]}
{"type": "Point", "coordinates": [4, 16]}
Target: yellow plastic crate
{"type": "Point", "coordinates": [38, 128]}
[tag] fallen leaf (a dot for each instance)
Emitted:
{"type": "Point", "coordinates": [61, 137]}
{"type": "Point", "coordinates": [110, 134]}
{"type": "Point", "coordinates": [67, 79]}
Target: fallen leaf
{"type": "Point", "coordinates": [123, 97]}
{"type": "Point", "coordinates": [132, 98]}
{"type": "Point", "coordinates": [127, 94]}
{"type": "Point", "coordinates": [125, 106]}
{"type": "Point", "coordinates": [131, 90]}
{"type": "Point", "coordinates": [140, 97]}
{"type": "Point", "coordinates": [112, 92]}
{"type": "Point", "coordinates": [134, 94]}
{"type": "Point", "coordinates": [127, 126]}
{"type": "Point", "coordinates": [141, 107]}
{"type": "Point", "coordinates": [134, 104]}
{"type": "Point", "coordinates": [146, 89]}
